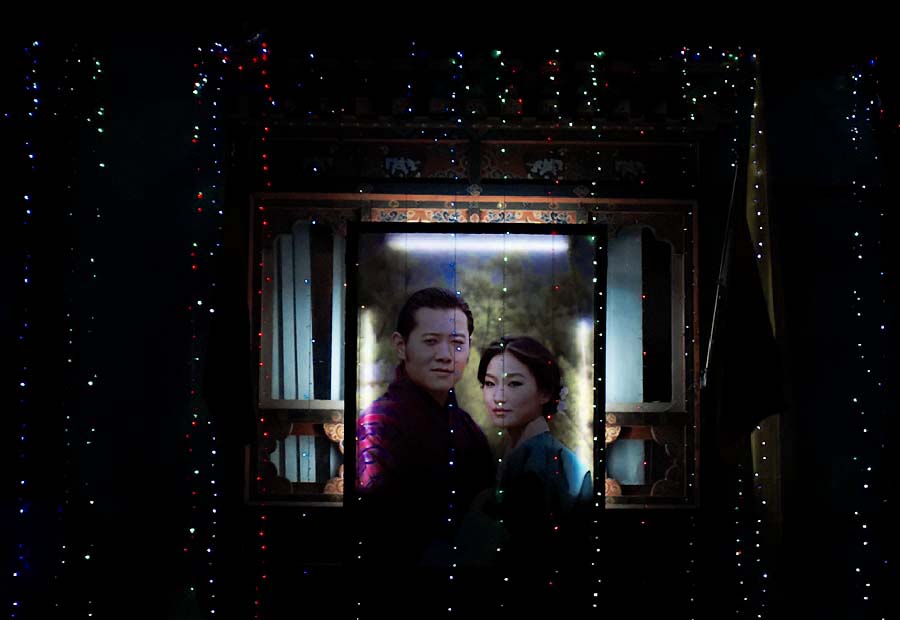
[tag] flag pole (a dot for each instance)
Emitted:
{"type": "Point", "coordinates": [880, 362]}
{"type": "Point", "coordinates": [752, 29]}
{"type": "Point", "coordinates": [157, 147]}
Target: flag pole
{"type": "Point", "coordinates": [722, 282]}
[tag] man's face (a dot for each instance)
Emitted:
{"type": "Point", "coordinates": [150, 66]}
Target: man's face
{"type": "Point", "coordinates": [437, 350]}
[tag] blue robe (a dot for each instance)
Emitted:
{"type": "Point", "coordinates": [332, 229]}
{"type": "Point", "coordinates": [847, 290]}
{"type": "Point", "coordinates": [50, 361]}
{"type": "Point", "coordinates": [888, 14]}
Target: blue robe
{"type": "Point", "coordinates": [539, 511]}
{"type": "Point", "coordinates": [543, 500]}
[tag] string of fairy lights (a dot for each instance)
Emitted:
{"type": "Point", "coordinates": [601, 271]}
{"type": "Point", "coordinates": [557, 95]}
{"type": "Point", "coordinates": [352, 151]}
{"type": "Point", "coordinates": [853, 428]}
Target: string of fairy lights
{"type": "Point", "coordinates": [757, 215]}
{"type": "Point", "coordinates": [592, 102]}
{"type": "Point", "coordinates": [591, 90]}
{"type": "Point", "coordinates": [23, 573]}
{"type": "Point", "coordinates": [456, 81]}
{"type": "Point", "coordinates": [868, 567]}
{"type": "Point", "coordinates": [317, 79]}
{"type": "Point", "coordinates": [751, 571]}
{"type": "Point", "coordinates": [756, 181]}
{"type": "Point", "coordinates": [54, 566]}
{"type": "Point", "coordinates": [451, 458]}
{"type": "Point", "coordinates": [207, 232]}
{"type": "Point", "coordinates": [76, 514]}
{"type": "Point", "coordinates": [691, 568]}
{"type": "Point", "coordinates": [504, 290]}
{"type": "Point", "coordinates": [507, 91]}
{"type": "Point", "coordinates": [409, 92]}
{"type": "Point", "coordinates": [553, 70]}
{"type": "Point", "coordinates": [215, 64]}
{"type": "Point", "coordinates": [599, 430]}
{"type": "Point", "coordinates": [261, 61]}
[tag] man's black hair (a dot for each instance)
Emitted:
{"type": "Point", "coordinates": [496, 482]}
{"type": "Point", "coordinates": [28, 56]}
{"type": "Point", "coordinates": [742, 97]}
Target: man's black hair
{"type": "Point", "coordinates": [438, 298]}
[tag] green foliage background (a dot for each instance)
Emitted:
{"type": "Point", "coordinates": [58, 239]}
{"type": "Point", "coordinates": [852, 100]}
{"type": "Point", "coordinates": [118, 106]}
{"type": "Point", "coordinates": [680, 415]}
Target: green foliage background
{"type": "Point", "coordinates": [541, 296]}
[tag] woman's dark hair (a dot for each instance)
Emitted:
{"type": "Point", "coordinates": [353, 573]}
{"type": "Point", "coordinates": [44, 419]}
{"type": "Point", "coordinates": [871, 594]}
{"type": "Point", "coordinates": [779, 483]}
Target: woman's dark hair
{"type": "Point", "coordinates": [438, 298]}
{"type": "Point", "coordinates": [536, 357]}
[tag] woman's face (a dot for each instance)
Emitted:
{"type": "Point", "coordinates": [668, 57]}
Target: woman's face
{"type": "Point", "coordinates": [511, 393]}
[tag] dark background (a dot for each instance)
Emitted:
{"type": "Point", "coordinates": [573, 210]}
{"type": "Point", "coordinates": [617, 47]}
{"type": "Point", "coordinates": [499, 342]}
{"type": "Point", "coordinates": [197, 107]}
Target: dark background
{"type": "Point", "coordinates": [137, 467]}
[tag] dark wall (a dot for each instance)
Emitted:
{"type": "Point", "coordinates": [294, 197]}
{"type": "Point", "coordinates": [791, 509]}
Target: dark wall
{"type": "Point", "coordinates": [138, 464]}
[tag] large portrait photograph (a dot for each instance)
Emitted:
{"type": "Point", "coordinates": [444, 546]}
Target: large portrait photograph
{"type": "Point", "coordinates": [475, 396]}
